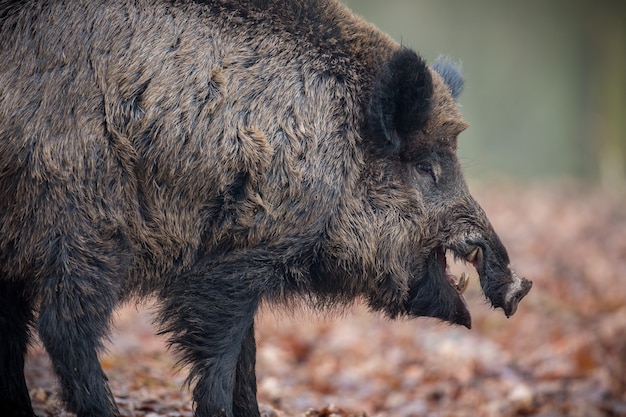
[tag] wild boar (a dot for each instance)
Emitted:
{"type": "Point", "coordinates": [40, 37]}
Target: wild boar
{"type": "Point", "coordinates": [215, 155]}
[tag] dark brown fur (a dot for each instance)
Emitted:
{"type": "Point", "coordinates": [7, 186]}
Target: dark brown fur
{"type": "Point", "coordinates": [218, 154]}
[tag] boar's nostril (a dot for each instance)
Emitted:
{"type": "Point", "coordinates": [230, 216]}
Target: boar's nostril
{"type": "Point", "coordinates": [517, 291]}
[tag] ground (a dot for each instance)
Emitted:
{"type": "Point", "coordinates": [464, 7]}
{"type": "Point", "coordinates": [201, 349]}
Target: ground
{"type": "Point", "coordinates": [562, 354]}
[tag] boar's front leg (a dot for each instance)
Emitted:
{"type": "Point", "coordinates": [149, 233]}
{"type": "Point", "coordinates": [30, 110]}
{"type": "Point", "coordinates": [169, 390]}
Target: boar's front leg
{"type": "Point", "coordinates": [74, 317]}
{"type": "Point", "coordinates": [244, 397]}
{"type": "Point", "coordinates": [15, 317]}
{"type": "Point", "coordinates": [209, 314]}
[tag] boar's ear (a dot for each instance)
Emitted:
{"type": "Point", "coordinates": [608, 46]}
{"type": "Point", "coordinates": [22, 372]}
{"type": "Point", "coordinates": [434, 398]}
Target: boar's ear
{"type": "Point", "coordinates": [451, 73]}
{"type": "Point", "coordinates": [400, 100]}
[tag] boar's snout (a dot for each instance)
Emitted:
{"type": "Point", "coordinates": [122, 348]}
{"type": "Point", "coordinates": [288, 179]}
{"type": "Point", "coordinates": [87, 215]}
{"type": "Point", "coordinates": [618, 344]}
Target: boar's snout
{"type": "Point", "coordinates": [439, 294]}
{"type": "Point", "coordinates": [471, 239]}
{"type": "Point", "coordinates": [499, 282]}
{"type": "Point", "coordinates": [516, 291]}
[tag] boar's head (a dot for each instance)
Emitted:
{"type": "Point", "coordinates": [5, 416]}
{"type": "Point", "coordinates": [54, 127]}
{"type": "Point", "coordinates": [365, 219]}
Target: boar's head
{"type": "Point", "coordinates": [416, 207]}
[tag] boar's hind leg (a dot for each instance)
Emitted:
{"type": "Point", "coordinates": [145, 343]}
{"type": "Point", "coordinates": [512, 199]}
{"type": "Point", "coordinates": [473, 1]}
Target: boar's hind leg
{"type": "Point", "coordinates": [15, 318]}
{"type": "Point", "coordinates": [73, 319]}
{"type": "Point", "coordinates": [209, 313]}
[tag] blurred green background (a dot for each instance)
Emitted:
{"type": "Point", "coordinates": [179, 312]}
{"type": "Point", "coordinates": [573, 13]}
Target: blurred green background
{"type": "Point", "coordinates": [545, 90]}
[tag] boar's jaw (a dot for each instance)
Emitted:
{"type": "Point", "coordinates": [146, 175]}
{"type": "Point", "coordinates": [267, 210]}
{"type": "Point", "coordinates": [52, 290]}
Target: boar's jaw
{"type": "Point", "coordinates": [438, 294]}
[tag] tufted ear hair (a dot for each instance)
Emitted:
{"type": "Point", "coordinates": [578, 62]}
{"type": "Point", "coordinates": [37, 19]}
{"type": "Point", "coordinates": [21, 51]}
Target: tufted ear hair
{"type": "Point", "coordinates": [451, 73]}
{"type": "Point", "coordinates": [400, 100]}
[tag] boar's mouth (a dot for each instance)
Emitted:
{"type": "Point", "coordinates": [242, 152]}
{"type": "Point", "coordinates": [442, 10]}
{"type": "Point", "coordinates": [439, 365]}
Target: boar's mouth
{"type": "Point", "coordinates": [438, 293]}
{"type": "Point", "coordinates": [458, 284]}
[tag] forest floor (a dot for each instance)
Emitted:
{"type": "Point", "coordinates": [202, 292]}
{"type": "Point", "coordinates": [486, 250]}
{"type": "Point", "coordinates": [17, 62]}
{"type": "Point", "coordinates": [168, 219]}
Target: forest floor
{"type": "Point", "coordinates": [562, 354]}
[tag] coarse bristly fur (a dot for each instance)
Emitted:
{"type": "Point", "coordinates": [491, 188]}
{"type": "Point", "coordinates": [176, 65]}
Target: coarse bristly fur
{"type": "Point", "coordinates": [219, 154]}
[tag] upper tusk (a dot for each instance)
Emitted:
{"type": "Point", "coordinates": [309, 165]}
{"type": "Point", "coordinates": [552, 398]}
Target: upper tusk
{"type": "Point", "coordinates": [473, 256]}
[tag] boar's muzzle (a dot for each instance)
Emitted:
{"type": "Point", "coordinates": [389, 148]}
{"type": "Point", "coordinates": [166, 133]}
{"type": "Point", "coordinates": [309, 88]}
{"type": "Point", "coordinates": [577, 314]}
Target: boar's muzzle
{"type": "Point", "coordinates": [439, 294]}
{"type": "Point", "coordinates": [499, 282]}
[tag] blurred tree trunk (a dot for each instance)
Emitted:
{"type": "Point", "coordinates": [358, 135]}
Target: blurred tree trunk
{"type": "Point", "coordinates": [606, 34]}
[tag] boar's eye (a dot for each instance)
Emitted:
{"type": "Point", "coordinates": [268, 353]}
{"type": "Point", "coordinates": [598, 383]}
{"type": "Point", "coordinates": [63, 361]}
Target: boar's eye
{"type": "Point", "coordinates": [425, 168]}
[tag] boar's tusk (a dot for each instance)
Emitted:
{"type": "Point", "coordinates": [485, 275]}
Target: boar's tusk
{"type": "Point", "coordinates": [461, 286]}
{"type": "Point", "coordinates": [472, 257]}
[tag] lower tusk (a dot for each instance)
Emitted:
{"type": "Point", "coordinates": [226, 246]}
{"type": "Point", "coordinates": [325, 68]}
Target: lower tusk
{"type": "Point", "coordinates": [461, 286]}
